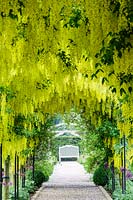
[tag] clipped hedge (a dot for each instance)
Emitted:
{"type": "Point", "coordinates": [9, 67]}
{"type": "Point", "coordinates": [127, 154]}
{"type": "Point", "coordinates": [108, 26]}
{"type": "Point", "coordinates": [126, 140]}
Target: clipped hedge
{"type": "Point", "coordinates": [100, 176]}
{"type": "Point", "coordinates": [39, 177]}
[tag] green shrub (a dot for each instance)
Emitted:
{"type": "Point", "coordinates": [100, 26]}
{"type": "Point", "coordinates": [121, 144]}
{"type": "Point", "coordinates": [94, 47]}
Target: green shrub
{"type": "Point", "coordinates": [117, 194]}
{"type": "Point", "coordinates": [46, 167]}
{"type": "Point", "coordinates": [90, 164]}
{"type": "Point", "coordinates": [100, 176]}
{"type": "Point", "coordinates": [23, 194]}
{"type": "Point", "coordinates": [39, 177]}
{"type": "Point", "coordinates": [29, 185]}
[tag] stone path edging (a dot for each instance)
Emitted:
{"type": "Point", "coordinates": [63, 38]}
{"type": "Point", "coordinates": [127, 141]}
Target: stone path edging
{"type": "Point", "coordinates": [70, 175]}
{"type": "Point", "coordinates": [105, 193]}
{"type": "Point", "coordinates": [34, 197]}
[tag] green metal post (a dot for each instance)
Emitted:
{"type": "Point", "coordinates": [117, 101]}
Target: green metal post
{"type": "Point", "coordinates": [17, 177]}
{"type": "Point", "coordinates": [23, 176]}
{"type": "Point", "coordinates": [124, 160]}
{"type": "Point", "coordinates": [15, 182]}
{"type": "Point", "coordinates": [113, 176]}
{"type": "Point", "coordinates": [1, 172]}
{"type": "Point", "coordinates": [33, 164]}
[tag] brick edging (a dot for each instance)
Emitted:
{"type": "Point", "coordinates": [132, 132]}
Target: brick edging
{"type": "Point", "coordinates": [105, 193]}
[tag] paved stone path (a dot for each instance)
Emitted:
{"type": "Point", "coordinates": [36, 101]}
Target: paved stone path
{"type": "Point", "coordinates": [69, 181]}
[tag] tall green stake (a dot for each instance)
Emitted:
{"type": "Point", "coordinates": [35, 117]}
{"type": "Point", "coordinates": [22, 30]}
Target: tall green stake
{"type": "Point", "coordinates": [1, 172]}
{"type": "Point", "coordinates": [15, 182]}
{"type": "Point", "coordinates": [124, 178]}
{"type": "Point", "coordinates": [6, 178]}
{"type": "Point", "coordinates": [33, 163]}
{"type": "Point", "coordinates": [17, 176]}
{"type": "Point", "coordinates": [124, 166]}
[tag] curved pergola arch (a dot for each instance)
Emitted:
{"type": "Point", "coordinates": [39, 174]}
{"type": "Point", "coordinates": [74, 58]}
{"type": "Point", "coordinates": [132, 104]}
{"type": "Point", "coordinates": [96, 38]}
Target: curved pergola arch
{"type": "Point", "coordinates": [54, 56]}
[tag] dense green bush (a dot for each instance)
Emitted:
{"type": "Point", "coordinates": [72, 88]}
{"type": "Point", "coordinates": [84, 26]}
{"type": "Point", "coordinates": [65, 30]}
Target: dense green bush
{"type": "Point", "coordinates": [29, 185]}
{"type": "Point", "coordinates": [117, 194]}
{"type": "Point", "coordinates": [100, 176]}
{"type": "Point", "coordinates": [39, 177]}
{"type": "Point", "coordinates": [90, 164]}
{"type": "Point", "coordinates": [23, 194]}
{"type": "Point", "coordinates": [46, 167]}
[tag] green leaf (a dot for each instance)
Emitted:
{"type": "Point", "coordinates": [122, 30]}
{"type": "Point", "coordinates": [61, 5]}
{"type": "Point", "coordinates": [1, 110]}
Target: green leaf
{"type": "Point", "coordinates": [97, 55]}
{"type": "Point", "coordinates": [86, 58]}
{"type": "Point", "coordinates": [130, 89]}
{"type": "Point", "coordinates": [99, 70]}
{"type": "Point", "coordinates": [12, 15]}
{"type": "Point", "coordinates": [104, 79]}
{"type": "Point", "coordinates": [2, 89]}
{"type": "Point", "coordinates": [111, 73]}
{"type": "Point", "coordinates": [114, 90]}
{"type": "Point", "coordinates": [122, 91]}
{"type": "Point", "coordinates": [93, 76]}
{"type": "Point", "coordinates": [97, 65]}
{"type": "Point", "coordinates": [110, 34]}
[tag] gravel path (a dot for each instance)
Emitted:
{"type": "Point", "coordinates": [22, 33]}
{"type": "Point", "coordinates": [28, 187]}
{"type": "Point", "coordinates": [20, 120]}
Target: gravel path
{"type": "Point", "coordinates": [69, 181]}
